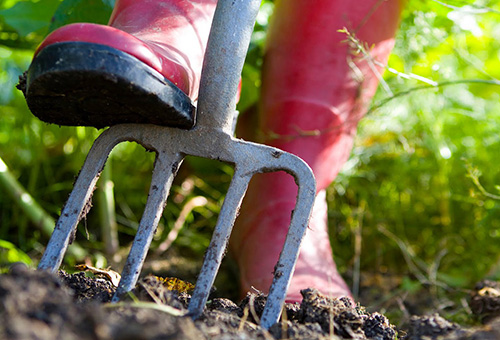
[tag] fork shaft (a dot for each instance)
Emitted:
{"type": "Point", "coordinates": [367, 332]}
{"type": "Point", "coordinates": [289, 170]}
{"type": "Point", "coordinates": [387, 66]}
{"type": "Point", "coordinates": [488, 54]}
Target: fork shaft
{"type": "Point", "coordinates": [166, 166]}
{"type": "Point", "coordinates": [227, 47]}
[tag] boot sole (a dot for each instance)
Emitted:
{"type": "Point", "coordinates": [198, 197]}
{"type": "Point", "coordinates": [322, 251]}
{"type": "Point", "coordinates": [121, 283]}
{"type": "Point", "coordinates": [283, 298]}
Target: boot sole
{"type": "Point", "coordinates": [87, 84]}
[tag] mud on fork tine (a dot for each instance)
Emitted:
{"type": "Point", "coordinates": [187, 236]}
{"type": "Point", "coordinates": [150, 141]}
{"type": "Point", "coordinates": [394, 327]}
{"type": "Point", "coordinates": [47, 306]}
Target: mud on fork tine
{"type": "Point", "coordinates": [210, 138]}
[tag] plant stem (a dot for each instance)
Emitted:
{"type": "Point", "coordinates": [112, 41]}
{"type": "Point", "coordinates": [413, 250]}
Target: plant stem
{"type": "Point", "coordinates": [37, 215]}
{"type": "Point", "coordinates": [107, 215]}
{"type": "Point", "coordinates": [25, 201]}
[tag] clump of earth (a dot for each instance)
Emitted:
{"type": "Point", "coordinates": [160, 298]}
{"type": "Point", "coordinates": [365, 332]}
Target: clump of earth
{"type": "Point", "coordinates": [40, 305]}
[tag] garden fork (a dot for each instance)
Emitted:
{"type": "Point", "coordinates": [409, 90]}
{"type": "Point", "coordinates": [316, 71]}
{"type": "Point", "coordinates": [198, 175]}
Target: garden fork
{"type": "Point", "coordinates": [210, 138]}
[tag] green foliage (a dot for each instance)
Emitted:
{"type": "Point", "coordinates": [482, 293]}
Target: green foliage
{"type": "Point", "coordinates": [71, 11]}
{"type": "Point", "coordinates": [9, 253]}
{"type": "Point", "coordinates": [410, 167]}
{"type": "Point", "coordinates": [250, 79]}
{"type": "Point", "coordinates": [29, 16]}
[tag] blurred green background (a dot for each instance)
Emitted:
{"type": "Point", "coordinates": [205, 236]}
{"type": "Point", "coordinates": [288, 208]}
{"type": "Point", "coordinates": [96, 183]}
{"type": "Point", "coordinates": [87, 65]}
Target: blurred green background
{"type": "Point", "coordinates": [419, 199]}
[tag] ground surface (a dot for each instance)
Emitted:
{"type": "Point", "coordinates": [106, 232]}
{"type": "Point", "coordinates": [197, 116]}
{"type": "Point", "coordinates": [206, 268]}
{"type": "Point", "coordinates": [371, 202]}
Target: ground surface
{"type": "Point", "coordinates": [39, 305]}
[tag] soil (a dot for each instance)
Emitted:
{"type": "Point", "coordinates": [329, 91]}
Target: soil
{"type": "Point", "coordinates": [40, 305]}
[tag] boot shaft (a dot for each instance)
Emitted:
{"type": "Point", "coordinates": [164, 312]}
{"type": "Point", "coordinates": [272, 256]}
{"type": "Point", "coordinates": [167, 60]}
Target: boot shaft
{"type": "Point", "coordinates": [177, 29]}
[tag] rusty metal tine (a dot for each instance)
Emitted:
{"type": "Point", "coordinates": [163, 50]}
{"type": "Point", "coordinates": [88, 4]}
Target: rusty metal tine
{"type": "Point", "coordinates": [74, 209]}
{"type": "Point", "coordinates": [166, 166]}
{"type": "Point", "coordinates": [218, 244]}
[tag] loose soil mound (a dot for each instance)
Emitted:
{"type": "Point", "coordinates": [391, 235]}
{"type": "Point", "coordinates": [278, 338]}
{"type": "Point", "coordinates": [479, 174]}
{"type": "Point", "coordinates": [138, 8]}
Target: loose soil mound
{"type": "Point", "coordinates": [40, 305]}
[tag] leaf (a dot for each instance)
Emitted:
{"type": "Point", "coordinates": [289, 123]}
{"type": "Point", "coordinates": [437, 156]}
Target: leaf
{"type": "Point", "coordinates": [71, 11]}
{"type": "Point", "coordinates": [250, 87]}
{"type": "Point", "coordinates": [9, 253]}
{"type": "Point", "coordinates": [175, 284]}
{"type": "Point", "coordinates": [27, 16]}
{"type": "Point", "coordinates": [109, 274]}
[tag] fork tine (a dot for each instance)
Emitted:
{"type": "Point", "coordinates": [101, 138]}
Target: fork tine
{"type": "Point", "coordinates": [166, 166]}
{"type": "Point", "coordinates": [73, 210]}
{"type": "Point", "coordinates": [218, 244]}
{"type": "Point", "coordinates": [288, 257]}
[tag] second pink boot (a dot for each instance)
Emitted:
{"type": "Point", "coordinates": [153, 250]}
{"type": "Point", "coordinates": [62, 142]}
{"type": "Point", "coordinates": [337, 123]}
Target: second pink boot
{"type": "Point", "coordinates": [314, 92]}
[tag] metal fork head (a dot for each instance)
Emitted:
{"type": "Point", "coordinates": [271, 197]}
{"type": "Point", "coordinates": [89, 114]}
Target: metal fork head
{"type": "Point", "coordinates": [171, 145]}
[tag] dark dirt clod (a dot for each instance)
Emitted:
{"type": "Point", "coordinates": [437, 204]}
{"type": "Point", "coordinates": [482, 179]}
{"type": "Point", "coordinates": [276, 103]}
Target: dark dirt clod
{"type": "Point", "coordinates": [431, 327]}
{"type": "Point", "coordinates": [36, 305]}
{"type": "Point", "coordinates": [223, 305]}
{"type": "Point", "coordinates": [220, 325]}
{"type": "Point", "coordinates": [342, 318]}
{"type": "Point", "coordinates": [377, 327]}
{"type": "Point", "coordinates": [289, 330]}
{"type": "Point", "coordinates": [292, 311]}
{"type": "Point", "coordinates": [86, 289]}
{"type": "Point", "coordinates": [485, 300]}
{"type": "Point", "coordinates": [21, 86]}
{"type": "Point", "coordinates": [142, 323]}
{"type": "Point", "coordinates": [253, 305]}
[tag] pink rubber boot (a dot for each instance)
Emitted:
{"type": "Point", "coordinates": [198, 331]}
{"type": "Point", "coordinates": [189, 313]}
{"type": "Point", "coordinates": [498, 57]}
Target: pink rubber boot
{"type": "Point", "coordinates": [314, 92]}
{"type": "Point", "coordinates": [144, 67]}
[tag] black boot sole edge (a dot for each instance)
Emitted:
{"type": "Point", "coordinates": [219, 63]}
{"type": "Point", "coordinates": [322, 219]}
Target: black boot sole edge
{"type": "Point", "coordinates": [86, 84]}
